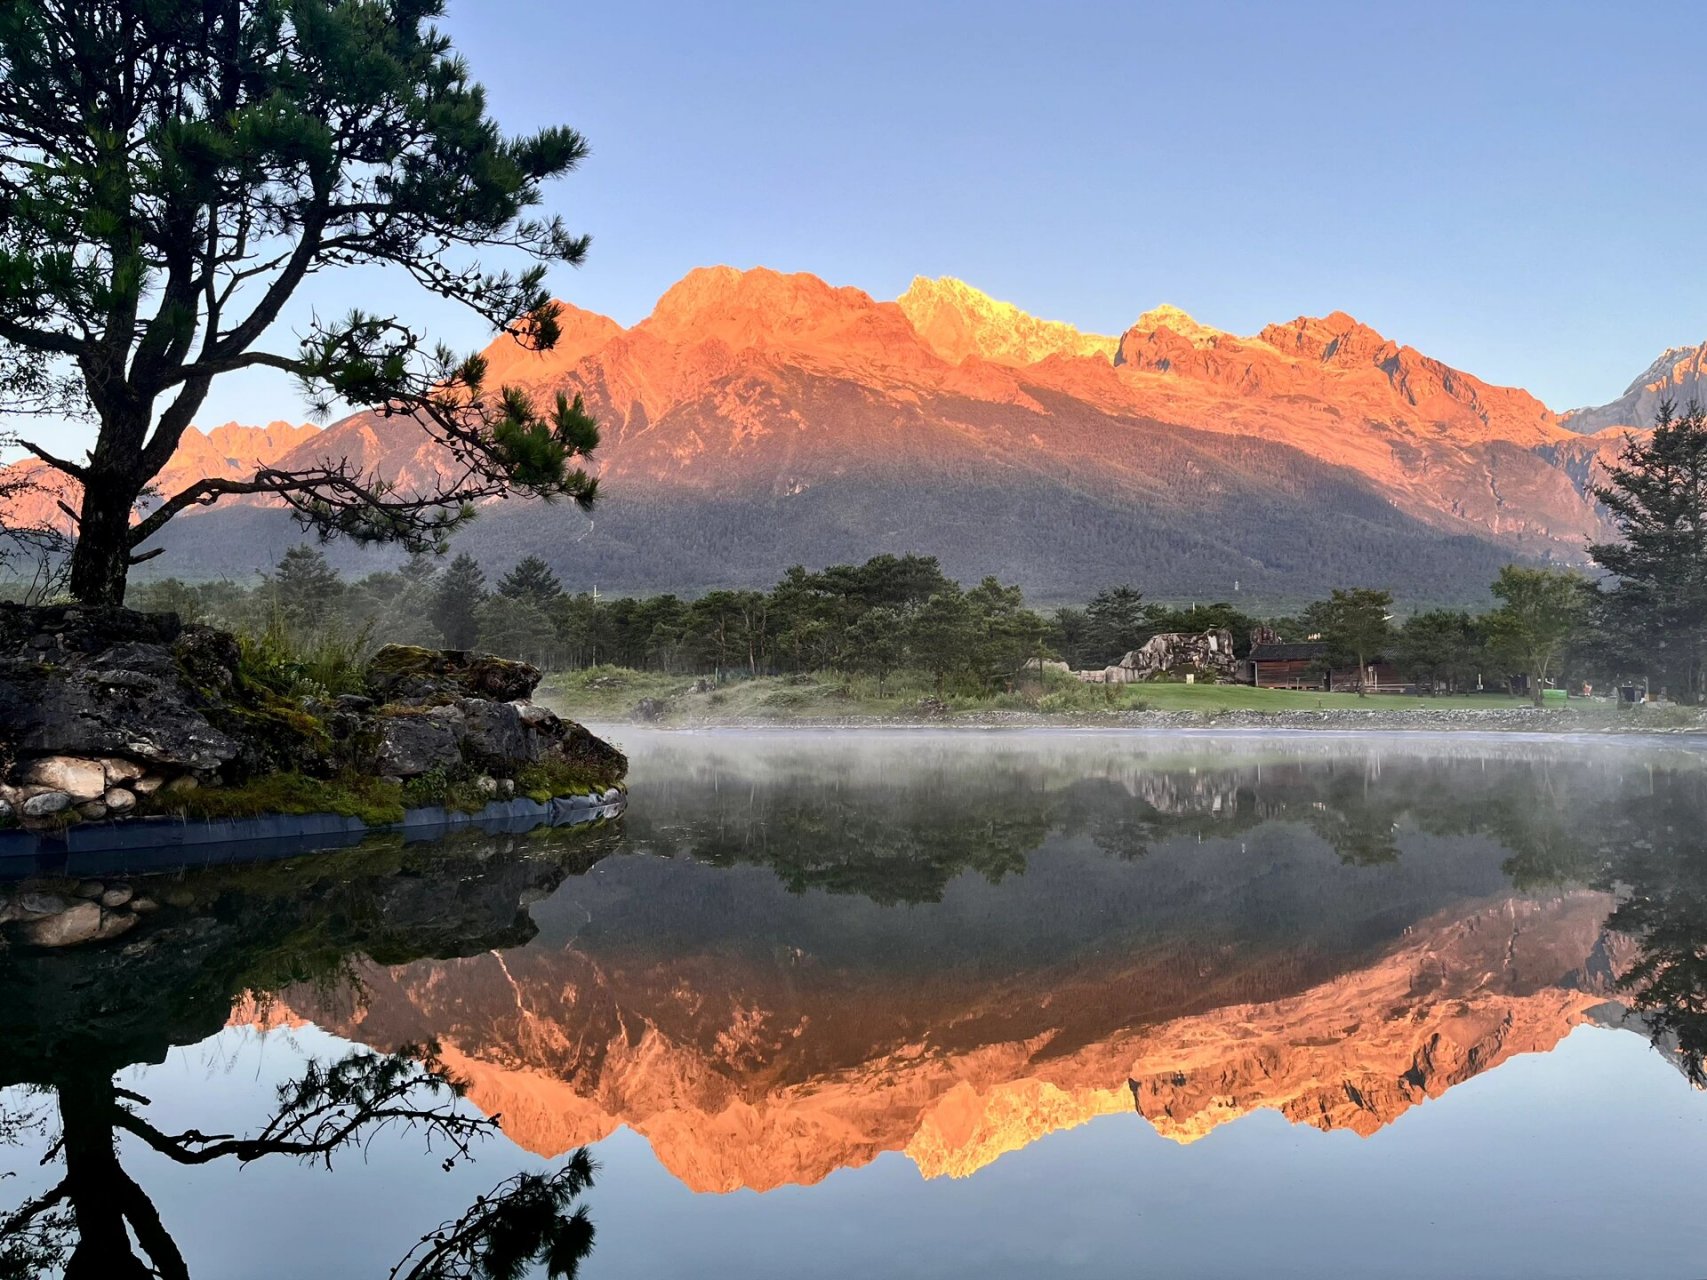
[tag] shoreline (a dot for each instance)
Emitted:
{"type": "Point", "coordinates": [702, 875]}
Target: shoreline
{"type": "Point", "coordinates": [171, 842]}
{"type": "Point", "coordinates": [1526, 721]}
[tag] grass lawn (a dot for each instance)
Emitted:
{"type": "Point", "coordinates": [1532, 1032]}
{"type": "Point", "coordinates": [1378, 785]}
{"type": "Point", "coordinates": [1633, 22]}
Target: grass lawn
{"type": "Point", "coordinates": [1238, 697]}
{"type": "Point", "coordinates": [610, 693]}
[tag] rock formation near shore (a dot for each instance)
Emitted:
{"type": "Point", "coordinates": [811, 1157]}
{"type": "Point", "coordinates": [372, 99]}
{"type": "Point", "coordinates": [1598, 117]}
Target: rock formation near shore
{"type": "Point", "coordinates": [107, 714]}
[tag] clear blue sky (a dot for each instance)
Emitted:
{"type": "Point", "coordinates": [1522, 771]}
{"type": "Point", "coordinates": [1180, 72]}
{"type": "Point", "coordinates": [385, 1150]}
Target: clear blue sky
{"type": "Point", "coordinates": [1513, 187]}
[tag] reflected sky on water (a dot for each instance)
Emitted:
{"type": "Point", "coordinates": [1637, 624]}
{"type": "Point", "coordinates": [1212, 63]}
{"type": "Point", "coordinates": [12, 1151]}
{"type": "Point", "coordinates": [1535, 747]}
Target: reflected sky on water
{"type": "Point", "coordinates": [950, 1004]}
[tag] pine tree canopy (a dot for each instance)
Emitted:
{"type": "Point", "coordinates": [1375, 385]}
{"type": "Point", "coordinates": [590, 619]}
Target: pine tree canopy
{"type": "Point", "coordinates": [171, 173]}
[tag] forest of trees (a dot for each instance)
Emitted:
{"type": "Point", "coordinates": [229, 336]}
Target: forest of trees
{"type": "Point", "coordinates": [1643, 621]}
{"type": "Point", "coordinates": [889, 614]}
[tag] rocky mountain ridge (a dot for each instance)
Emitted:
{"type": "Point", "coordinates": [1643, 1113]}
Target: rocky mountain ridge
{"type": "Point", "coordinates": [756, 419]}
{"type": "Point", "coordinates": [734, 1092]}
{"type": "Point", "coordinates": [231, 451]}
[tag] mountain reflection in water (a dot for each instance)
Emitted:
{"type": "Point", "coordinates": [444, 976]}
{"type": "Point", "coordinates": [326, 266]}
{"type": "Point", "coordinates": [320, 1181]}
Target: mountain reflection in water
{"type": "Point", "coordinates": [798, 952]}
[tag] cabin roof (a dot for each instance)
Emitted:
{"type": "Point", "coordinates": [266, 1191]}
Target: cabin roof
{"type": "Point", "coordinates": [1301, 651]}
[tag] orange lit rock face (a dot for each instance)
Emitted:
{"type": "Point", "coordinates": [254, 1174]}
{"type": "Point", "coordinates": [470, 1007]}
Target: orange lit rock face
{"type": "Point", "coordinates": [760, 1079]}
{"type": "Point", "coordinates": [956, 321]}
{"type": "Point", "coordinates": [754, 386]}
{"type": "Point", "coordinates": [764, 383]}
{"type": "Point", "coordinates": [231, 452]}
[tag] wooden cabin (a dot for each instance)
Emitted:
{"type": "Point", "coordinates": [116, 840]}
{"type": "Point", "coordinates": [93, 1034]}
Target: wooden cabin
{"type": "Point", "coordinates": [1300, 665]}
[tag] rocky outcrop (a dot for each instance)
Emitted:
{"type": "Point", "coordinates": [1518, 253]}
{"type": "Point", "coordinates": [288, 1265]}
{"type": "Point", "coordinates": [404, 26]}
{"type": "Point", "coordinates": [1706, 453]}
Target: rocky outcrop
{"type": "Point", "coordinates": [107, 713]}
{"type": "Point", "coordinates": [1206, 656]}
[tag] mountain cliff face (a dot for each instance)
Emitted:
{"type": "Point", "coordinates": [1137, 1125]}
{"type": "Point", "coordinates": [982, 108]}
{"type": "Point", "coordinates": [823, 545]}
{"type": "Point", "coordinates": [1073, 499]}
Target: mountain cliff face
{"type": "Point", "coordinates": [957, 321]}
{"type": "Point", "coordinates": [757, 419]}
{"type": "Point", "coordinates": [1679, 375]}
{"type": "Point", "coordinates": [757, 1080]}
{"type": "Point", "coordinates": [231, 451]}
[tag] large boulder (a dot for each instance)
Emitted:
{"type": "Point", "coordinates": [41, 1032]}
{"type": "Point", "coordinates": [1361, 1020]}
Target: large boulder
{"type": "Point", "coordinates": [408, 674]}
{"type": "Point", "coordinates": [80, 779]}
{"type": "Point", "coordinates": [495, 734]}
{"type": "Point", "coordinates": [1206, 655]}
{"type": "Point", "coordinates": [94, 683]}
{"type": "Point", "coordinates": [410, 745]}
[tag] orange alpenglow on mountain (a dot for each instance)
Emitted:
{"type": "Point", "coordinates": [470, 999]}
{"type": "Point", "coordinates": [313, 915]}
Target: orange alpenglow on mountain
{"type": "Point", "coordinates": [757, 418]}
{"type": "Point", "coordinates": [231, 452]}
{"type": "Point", "coordinates": [785, 1078]}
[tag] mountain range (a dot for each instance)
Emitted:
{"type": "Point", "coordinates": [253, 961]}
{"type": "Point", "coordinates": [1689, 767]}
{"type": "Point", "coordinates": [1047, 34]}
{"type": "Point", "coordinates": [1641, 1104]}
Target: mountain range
{"type": "Point", "coordinates": [784, 1080]}
{"type": "Point", "coordinates": [756, 420]}
{"type": "Point", "coordinates": [793, 960]}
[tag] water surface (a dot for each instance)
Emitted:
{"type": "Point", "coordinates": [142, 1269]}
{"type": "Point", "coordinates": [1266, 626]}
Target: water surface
{"type": "Point", "coordinates": [944, 1004]}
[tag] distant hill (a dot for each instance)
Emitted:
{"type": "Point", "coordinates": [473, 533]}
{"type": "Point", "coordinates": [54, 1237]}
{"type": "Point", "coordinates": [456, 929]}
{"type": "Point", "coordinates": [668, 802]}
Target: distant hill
{"type": "Point", "coordinates": [755, 420]}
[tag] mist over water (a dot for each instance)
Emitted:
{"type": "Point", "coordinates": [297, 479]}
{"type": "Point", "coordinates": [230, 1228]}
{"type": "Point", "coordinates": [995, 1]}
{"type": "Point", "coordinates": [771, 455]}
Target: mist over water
{"type": "Point", "coordinates": [948, 1003]}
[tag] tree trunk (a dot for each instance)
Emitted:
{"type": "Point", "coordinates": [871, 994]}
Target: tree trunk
{"type": "Point", "coordinates": [93, 1177]}
{"type": "Point", "coordinates": [100, 562]}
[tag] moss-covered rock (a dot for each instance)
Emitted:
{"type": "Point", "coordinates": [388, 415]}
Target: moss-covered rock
{"type": "Point", "coordinates": [181, 708]}
{"type": "Point", "coordinates": [408, 673]}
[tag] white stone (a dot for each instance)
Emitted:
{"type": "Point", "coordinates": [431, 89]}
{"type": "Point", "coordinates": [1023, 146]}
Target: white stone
{"type": "Point", "coordinates": [80, 779]}
{"type": "Point", "coordinates": [5, 810]}
{"type": "Point", "coordinates": [118, 800]}
{"type": "Point", "coordinates": [77, 923]}
{"type": "Point", "coordinates": [45, 804]}
{"type": "Point", "coordinates": [185, 783]}
{"type": "Point", "coordinates": [120, 770]}
{"type": "Point", "coordinates": [117, 896]}
{"type": "Point", "coordinates": [147, 786]}
{"type": "Point", "coordinates": [40, 904]}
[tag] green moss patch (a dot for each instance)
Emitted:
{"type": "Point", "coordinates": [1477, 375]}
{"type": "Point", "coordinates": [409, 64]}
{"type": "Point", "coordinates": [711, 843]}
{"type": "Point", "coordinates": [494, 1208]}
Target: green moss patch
{"type": "Point", "coordinates": [553, 778]}
{"type": "Point", "coordinates": [372, 800]}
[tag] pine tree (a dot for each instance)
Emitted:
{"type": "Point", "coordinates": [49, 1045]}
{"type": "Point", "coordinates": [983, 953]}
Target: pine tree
{"type": "Point", "coordinates": [516, 627]}
{"type": "Point", "coordinates": [1116, 622]}
{"type": "Point", "coordinates": [304, 589]}
{"type": "Point", "coordinates": [1356, 625]}
{"type": "Point", "coordinates": [456, 603]}
{"type": "Point", "coordinates": [172, 173]}
{"type": "Point", "coordinates": [531, 580]}
{"type": "Point", "coordinates": [1657, 607]}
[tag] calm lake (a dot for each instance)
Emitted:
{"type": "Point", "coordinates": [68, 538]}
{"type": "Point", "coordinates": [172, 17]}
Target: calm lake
{"type": "Point", "coordinates": [951, 1004]}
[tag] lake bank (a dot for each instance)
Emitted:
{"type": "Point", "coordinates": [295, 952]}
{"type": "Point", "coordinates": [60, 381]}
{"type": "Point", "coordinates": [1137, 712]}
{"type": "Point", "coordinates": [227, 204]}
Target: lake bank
{"type": "Point", "coordinates": [610, 695]}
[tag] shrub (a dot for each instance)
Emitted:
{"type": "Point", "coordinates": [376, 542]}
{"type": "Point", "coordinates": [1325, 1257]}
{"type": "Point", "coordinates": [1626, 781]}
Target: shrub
{"type": "Point", "coordinates": [323, 664]}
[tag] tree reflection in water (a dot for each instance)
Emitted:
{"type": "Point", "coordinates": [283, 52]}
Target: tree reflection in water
{"type": "Point", "coordinates": [817, 822]}
{"type": "Point", "coordinates": [1616, 822]}
{"type": "Point", "coordinates": [72, 1021]}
